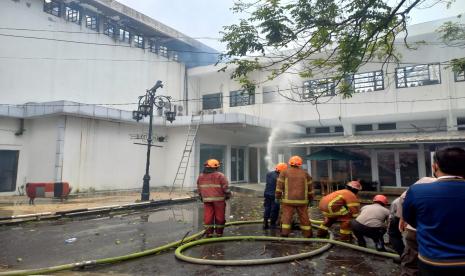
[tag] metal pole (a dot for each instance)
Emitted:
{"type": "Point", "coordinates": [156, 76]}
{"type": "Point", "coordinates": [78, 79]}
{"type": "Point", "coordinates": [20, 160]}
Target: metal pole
{"type": "Point", "coordinates": [145, 196]}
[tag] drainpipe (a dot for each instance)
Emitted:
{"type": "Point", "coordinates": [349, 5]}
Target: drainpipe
{"type": "Point", "coordinates": [20, 130]}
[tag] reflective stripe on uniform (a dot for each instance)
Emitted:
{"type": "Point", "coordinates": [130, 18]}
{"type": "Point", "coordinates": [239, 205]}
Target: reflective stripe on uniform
{"type": "Point", "coordinates": [305, 227]}
{"type": "Point", "coordinates": [295, 201]}
{"type": "Point", "coordinates": [353, 204]}
{"type": "Point", "coordinates": [324, 227]}
{"type": "Point", "coordinates": [286, 188]}
{"type": "Point", "coordinates": [345, 232]}
{"type": "Point", "coordinates": [210, 185]}
{"type": "Point", "coordinates": [279, 190]}
{"type": "Point", "coordinates": [286, 226]}
{"type": "Point", "coordinates": [213, 198]}
{"type": "Point", "coordinates": [341, 212]}
{"type": "Point", "coordinates": [280, 180]}
{"type": "Point", "coordinates": [355, 215]}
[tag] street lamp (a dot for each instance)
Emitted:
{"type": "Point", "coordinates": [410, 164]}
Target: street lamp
{"type": "Point", "coordinates": [145, 108]}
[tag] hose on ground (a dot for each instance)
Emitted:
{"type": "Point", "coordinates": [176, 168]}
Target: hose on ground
{"type": "Point", "coordinates": [191, 241]}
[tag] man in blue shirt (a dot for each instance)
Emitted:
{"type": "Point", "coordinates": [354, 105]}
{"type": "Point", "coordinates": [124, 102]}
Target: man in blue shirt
{"type": "Point", "coordinates": [271, 207]}
{"type": "Point", "coordinates": [436, 211]}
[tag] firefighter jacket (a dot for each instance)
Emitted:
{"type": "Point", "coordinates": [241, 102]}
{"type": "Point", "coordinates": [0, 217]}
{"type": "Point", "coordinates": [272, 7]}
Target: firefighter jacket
{"type": "Point", "coordinates": [213, 187]}
{"type": "Point", "coordinates": [340, 203]}
{"type": "Point", "coordinates": [294, 186]}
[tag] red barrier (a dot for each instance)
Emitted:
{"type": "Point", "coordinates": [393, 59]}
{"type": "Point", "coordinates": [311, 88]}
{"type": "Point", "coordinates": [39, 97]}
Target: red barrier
{"type": "Point", "coordinates": [47, 189]}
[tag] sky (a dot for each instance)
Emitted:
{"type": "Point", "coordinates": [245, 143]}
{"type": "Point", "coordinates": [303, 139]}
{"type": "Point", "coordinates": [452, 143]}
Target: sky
{"type": "Point", "coordinates": [205, 18]}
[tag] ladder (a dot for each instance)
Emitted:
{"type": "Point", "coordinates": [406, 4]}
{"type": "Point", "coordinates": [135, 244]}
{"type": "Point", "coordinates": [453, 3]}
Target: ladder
{"type": "Point", "coordinates": [186, 153]}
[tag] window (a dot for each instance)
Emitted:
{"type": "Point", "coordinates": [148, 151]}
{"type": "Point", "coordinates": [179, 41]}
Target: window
{"type": "Point", "coordinates": [163, 51]}
{"type": "Point", "coordinates": [73, 14]}
{"type": "Point", "coordinates": [368, 82]}
{"type": "Point", "coordinates": [123, 35]}
{"type": "Point", "coordinates": [241, 97]}
{"type": "Point", "coordinates": [387, 126]}
{"type": "Point", "coordinates": [91, 22]}
{"type": "Point", "coordinates": [418, 75]}
{"type": "Point", "coordinates": [212, 101]}
{"type": "Point", "coordinates": [139, 41]}
{"type": "Point", "coordinates": [322, 130]}
{"type": "Point", "coordinates": [109, 29]}
{"type": "Point", "coordinates": [459, 76]}
{"type": "Point", "coordinates": [338, 129]}
{"type": "Point", "coordinates": [52, 7]}
{"type": "Point", "coordinates": [308, 130]}
{"type": "Point", "coordinates": [363, 127]}
{"type": "Point", "coordinates": [8, 170]}
{"type": "Point", "coordinates": [175, 56]}
{"type": "Point", "coordinates": [461, 123]}
{"type": "Point", "coordinates": [152, 46]}
{"type": "Point", "coordinates": [318, 88]}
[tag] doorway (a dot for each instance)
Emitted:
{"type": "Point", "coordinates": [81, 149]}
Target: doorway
{"type": "Point", "coordinates": [237, 164]}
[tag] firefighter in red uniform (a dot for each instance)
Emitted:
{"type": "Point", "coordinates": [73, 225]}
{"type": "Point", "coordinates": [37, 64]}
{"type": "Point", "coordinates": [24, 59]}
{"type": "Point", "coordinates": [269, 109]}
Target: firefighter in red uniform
{"type": "Point", "coordinates": [294, 190]}
{"type": "Point", "coordinates": [213, 189]}
{"type": "Point", "coordinates": [341, 206]}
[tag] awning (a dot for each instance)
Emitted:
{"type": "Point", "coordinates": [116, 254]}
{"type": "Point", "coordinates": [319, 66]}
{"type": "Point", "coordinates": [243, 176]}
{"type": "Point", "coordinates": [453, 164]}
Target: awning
{"type": "Point", "coordinates": [380, 139]}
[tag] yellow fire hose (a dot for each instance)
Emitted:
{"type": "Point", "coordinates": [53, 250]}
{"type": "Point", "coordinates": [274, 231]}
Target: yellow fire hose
{"type": "Point", "coordinates": [191, 241]}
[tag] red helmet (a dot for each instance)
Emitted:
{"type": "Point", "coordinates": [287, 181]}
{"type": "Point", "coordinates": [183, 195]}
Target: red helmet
{"type": "Point", "coordinates": [281, 167]}
{"type": "Point", "coordinates": [355, 184]}
{"type": "Point", "coordinates": [295, 161]}
{"type": "Point", "coordinates": [381, 199]}
{"type": "Point", "coordinates": [212, 163]}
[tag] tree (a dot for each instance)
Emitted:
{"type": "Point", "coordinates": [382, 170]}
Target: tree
{"type": "Point", "coordinates": [453, 35]}
{"type": "Point", "coordinates": [307, 37]}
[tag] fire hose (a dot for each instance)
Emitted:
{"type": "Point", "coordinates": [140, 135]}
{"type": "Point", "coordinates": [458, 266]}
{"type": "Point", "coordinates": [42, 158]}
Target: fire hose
{"type": "Point", "coordinates": [194, 240]}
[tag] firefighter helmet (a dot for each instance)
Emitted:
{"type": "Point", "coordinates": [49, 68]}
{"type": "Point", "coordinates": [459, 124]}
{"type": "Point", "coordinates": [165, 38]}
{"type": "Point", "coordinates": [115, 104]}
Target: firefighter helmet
{"type": "Point", "coordinates": [212, 163]}
{"type": "Point", "coordinates": [295, 161]}
{"type": "Point", "coordinates": [281, 167]}
{"type": "Point", "coordinates": [381, 199]}
{"type": "Point", "coordinates": [355, 185]}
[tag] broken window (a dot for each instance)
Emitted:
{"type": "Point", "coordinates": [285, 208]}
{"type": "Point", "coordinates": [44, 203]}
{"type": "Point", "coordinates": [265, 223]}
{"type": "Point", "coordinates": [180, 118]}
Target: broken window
{"type": "Point", "coordinates": [52, 7]}
{"type": "Point", "coordinates": [418, 75]}
{"type": "Point", "coordinates": [139, 41]}
{"type": "Point", "coordinates": [212, 101]}
{"type": "Point", "coordinates": [109, 29]}
{"type": "Point", "coordinates": [91, 22]}
{"type": "Point", "coordinates": [320, 87]}
{"type": "Point", "coordinates": [123, 35]}
{"type": "Point", "coordinates": [72, 14]}
{"type": "Point", "coordinates": [368, 82]}
{"type": "Point", "coordinates": [241, 97]}
{"type": "Point", "coordinates": [459, 76]}
{"type": "Point", "coordinates": [8, 170]}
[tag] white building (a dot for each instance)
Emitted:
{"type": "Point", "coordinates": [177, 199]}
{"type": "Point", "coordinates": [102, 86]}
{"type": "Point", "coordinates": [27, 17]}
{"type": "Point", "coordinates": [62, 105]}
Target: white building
{"type": "Point", "coordinates": [71, 73]}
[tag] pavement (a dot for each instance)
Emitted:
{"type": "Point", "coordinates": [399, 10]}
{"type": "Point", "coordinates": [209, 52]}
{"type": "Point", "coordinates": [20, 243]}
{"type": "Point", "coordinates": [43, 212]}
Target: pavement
{"type": "Point", "coordinates": [19, 205]}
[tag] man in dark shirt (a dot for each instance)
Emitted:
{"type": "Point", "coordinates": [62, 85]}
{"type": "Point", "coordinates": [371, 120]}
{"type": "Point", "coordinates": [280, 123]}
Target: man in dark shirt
{"type": "Point", "coordinates": [436, 211]}
{"type": "Point", "coordinates": [271, 207]}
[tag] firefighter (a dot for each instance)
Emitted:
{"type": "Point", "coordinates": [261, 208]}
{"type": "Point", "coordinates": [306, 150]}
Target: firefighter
{"type": "Point", "coordinates": [213, 189]}
{"type": "Point", "coordinates": [371, 222]}
{"type": "Point", "coordinates": [294, 191]}
{"type": "Point", "coordinates": [271, 207]}
{"type": "Point", "coordinates": [341, 206]}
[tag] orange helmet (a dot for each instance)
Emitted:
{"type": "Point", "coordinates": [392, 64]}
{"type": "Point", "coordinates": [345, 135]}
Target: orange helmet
{"type": "Point", "coordinates": [212, 163]}
{"type": "Point", "coordinates": [381, 199]}
{"type": "Point", "coordinates": [295, 161]}
{"type": "Point", "coordinates": [355, 184]}
{"type": "Point", "coordinates": [281, 167]}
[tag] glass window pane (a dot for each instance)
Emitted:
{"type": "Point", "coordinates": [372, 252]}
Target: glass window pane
{"type": "Point", "coordinates": [240, 164]}
{"type": "Point", "coordinates": [233, 164]}
{"type": "Point", "coordinates": [386, 169]}
{"type": "Point", "coordinates": [212, 101]}
{"type": "Point", "coordinates": [212, 152]}
{"type": "Point", "coordinates": [408, 167]}
{"type": "Point", "coordinates": [8, 170]}
{"type": "Point", "coordinates": [418, 75]}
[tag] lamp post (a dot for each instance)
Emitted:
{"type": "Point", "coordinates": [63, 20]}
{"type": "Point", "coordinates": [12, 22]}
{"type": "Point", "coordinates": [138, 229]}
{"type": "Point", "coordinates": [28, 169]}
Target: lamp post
{"type": "Point", "coordinates": [145, 108]}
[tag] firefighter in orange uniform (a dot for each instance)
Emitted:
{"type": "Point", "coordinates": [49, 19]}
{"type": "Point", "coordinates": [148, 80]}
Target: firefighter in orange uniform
{"type": "Point", "coordinates": [341, 206]}
{"type": "Point", "coordinates": [213, 189]}
{"type": "Point", "coordinates": [294, 190]}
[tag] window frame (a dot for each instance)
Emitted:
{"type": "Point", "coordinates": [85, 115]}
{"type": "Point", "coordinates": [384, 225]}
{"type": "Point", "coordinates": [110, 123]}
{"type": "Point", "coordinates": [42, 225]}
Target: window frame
{"type": "Point", "coordinates": [368, 126]}
{"type": "Point", "coordinates": [107, 26]}
{"type": "Point", "coordinates": [94, 21]}
{"type": "Point", "coordinates": [387, 126]}
{"type": "Point", "coordinates": [73, 14]}
{"type": "Point", "coordinates": [405, 77]}
{"type": "Point", "coordinates": [50, 8]}
{"type": "Point", "coordinates": [458, 75]}
{"type": "Point", "coordinates": [246, 98]}
{"type": "Point", "coordinates": [374, 81]}
{"type": "Point", "coordinates": [124, 35]}
{"type": "Point", "coordinates": [212, 96]}
{"type": "Point", "coordinates": [330, 90]}
{"type": "Point", "coordinates": [162, 50]}
{"type": "Point", "coordinates": [138, 41]}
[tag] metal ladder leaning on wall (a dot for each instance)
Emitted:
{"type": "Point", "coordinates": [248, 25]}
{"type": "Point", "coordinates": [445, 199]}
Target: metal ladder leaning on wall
{"type": "Point", "coordinates": [186, 153]}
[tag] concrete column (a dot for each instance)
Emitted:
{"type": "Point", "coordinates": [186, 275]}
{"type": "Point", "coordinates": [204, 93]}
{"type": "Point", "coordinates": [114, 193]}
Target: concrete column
{"type": "Point", "coordinates": [374, 166]}
{"type": "Point", "coordinates": [227, 160]}
{"type": "Point", "coordinates": [60, 145]}
{"type": "Point", "coordinates": [397, 166]}
{"type": "Point", "coordinates": [421, 161]}
{"type": "Point", "coordinates": [330, 169]}
{"type": "Point", "coordinates": [258, 165]}
{"type": "Point", "coordinates": [309, 162]}
{"type": "Point", "coordinates": [348, 128]}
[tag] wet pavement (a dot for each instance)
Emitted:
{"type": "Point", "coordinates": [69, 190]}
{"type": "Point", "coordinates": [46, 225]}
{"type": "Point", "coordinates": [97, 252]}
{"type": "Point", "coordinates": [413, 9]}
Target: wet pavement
{"type": "Point", "coordinates": [40, 244]}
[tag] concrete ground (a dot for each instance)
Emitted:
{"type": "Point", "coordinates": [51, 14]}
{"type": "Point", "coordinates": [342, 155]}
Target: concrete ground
{"type": "Point", "coordinates": [19, 205]}
{"type": "Point", "coordinates": [39, 244]}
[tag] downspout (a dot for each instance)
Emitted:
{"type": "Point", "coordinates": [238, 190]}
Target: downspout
{"type": "Point", "coordinates": [21, 129]}
{"type": "Point", "coordinates": [186, 92]}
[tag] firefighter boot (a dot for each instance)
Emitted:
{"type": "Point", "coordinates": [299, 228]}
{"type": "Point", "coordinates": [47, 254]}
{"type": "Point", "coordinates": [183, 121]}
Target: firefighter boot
{"type": "Point", "coordinates": [265, 224]}
{"type": "Point", "coordinates": [345, 237]}
{"type": "Point", "coordinates": [322, 233]}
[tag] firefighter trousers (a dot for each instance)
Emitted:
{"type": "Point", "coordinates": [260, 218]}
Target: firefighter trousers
{"type": "Point", "coordinates": [213, 217]}
{"type": "Point", "coordinates": [286, 219]}
{"type": "Point", "coordinates": [344, 230]}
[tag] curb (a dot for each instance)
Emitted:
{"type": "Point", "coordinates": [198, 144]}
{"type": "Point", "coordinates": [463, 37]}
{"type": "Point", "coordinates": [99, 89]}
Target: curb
{"type": "Point", "coordinates": [18, 219]}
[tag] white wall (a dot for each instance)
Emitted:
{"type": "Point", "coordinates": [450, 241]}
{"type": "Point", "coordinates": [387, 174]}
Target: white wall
{"type": "Point", "coordinates": [33, 70]}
